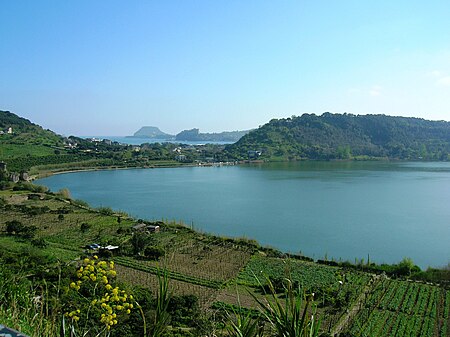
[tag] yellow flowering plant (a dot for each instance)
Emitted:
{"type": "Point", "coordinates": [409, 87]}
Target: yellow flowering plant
{"type": "Point", "coordinates": [98, 299]}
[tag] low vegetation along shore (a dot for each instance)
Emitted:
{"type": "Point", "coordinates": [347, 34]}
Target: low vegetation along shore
{"type": "Point", "coordinates": [67, 269]}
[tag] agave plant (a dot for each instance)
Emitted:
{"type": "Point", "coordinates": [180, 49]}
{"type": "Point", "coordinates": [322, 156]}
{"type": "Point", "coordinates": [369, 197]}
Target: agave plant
{"type": "Point", "coordinates": [291, 318]}
{"type": "Point", "coordinates": [161, 317]}
{"type": "Point", "coordinates": [243, 324]}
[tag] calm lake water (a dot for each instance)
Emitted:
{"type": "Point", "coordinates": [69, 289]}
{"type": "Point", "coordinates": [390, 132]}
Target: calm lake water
{"type": "Point", "coordinates": [340, 209]}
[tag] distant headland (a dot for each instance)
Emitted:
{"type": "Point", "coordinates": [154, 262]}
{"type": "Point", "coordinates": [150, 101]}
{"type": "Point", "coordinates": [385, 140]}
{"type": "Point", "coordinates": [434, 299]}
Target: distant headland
{"type": "Point", "coordinates": [154, 132]}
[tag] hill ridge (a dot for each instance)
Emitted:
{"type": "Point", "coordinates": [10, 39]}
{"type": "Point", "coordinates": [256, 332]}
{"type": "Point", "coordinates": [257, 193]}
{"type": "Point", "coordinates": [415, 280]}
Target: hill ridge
{"type": "Point", "coordinates": [346, 136]}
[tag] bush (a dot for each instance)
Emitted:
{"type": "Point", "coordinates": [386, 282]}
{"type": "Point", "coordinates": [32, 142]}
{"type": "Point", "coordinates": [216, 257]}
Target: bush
{"type": "Point", "coordinates": [14, 227]}
{"type": "Point", "coordinates": [64, 193]}
{"type": "Point", "coordinates": [184, 310]}
{"type": "Point", "coordinates": [34, 196]}
{"type": "Point", "coordinates": [39, 243]}
{"type": "Point", "coordinates": [4, 185]}
{"type": "Point", "coordinates": [85, 227]}
{"type": "Point", "coordinates": [153, 252]}
{"type": "Point", "coordinates": [27, 186]}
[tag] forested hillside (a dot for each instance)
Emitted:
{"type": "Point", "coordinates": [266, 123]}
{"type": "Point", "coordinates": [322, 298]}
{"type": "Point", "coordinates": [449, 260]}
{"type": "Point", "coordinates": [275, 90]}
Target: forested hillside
{"type": "Point", "coordinates": [346, 136]}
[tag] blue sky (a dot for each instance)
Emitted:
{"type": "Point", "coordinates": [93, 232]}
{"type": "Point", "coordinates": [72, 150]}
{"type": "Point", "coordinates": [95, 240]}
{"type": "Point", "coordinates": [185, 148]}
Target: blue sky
{"type": "Point", "coordinates": [109, 67]}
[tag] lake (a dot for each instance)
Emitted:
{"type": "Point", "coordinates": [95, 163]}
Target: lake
{"type": "Point", "coordinates": [342, 210]}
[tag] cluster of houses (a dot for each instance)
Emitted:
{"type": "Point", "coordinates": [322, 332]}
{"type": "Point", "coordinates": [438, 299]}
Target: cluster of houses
{"type": "Point", "coordinates": [13, 176]}
{"type": "Point", "coordinates": [70, 143]}
{"type": "Point", "coordinates": [146, 228]}
{"type": "Point", "coordinates": [8, 130]}
{"type": "Point", "coordinates": [252, 154]}
{"type": "Point", "coordinates": [16, 177]}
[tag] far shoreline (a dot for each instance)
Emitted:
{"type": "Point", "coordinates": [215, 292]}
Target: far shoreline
{"type": "Point", "coordinates": [45, 174]}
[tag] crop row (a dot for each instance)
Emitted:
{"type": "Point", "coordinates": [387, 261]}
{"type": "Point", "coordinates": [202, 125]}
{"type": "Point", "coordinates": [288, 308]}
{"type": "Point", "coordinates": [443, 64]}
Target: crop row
{"type": "Point", "coordinates": [308, 275]}
{"type": "Point", "coordinates": [127, 262]}
{"type": "Point", "coordinates": [407, 297]}
{"type": "Point", "coordinates": [445, 328]}
{"type": "Point", "coordinates": [400, 308]}
{"type": "Point", "coordinates": [369, 326]}
{"type": "Point", "coordinates": [386, 323]}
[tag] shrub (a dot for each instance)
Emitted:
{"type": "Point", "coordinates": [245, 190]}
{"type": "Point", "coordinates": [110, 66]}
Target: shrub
{"type": "Point", "coordinates": [14, 227]}
{"type": "Point", "coordinates": [85, 227]}
{"type": "Point", "coordinates": [39, 243]}
{"type": "Point", "coordinates": [64, 193]}
{"type": "Point", "coordinates": [34, 196]}
{"type": "Point", "coordinates": [27, 186]}
{"type": "Point", "coordinates": [4, 185]}
{"type": "Point", "coordinates": [153, 252]}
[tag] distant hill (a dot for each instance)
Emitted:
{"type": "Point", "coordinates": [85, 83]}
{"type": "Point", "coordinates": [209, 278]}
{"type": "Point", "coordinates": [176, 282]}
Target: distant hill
{"type": "Point", "coordinates": [195, 135]}
{"type": "Point", "coordinates": [25, 133]}
{"type": "Point", "coordinates": [345, 136]}
{"type": "Point", "coordinates": [152, 132]}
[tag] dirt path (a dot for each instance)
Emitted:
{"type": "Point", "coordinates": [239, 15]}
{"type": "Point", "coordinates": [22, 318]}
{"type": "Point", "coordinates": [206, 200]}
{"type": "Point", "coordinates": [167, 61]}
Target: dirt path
{"type": "Point", "coordinates": [353, 311]}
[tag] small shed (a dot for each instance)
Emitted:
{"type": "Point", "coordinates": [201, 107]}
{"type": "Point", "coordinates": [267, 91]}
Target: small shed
{"type": "Point", "coordinates": [143, 227]}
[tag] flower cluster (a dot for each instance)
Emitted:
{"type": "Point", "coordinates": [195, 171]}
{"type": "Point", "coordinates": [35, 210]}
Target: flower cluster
{"type": "Point", "coordinates": [113, 302]}
{"type": "Point", "coordinates": [93, 282]}
{"type": "Point", "coordinates": [74, 315]}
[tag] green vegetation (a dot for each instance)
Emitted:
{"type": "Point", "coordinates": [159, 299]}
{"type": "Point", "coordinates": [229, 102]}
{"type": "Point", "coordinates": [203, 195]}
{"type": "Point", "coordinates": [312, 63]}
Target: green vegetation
{"type": "Point", "coordinates": [402, 309]}
{"type": "Point", "coordinates": [183, 283]}
{"type": "Point", "coordinates": [209, 283]}
{"type": "Point", "coordinates": [346, 136]}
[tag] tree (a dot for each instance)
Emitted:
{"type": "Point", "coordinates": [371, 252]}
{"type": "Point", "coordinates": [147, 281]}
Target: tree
{"type": "Point", "coordinates": [406, 266]}
{"type": "Point", "coordinates": [14, 227]}
{"type": "Point", "coordinates": [139, 241]}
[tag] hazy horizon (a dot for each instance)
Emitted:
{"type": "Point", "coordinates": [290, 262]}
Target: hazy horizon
{"type": "Point", "coordinates": [111, 67]}
{"type": "Point", "coordinates": [201, 131]}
